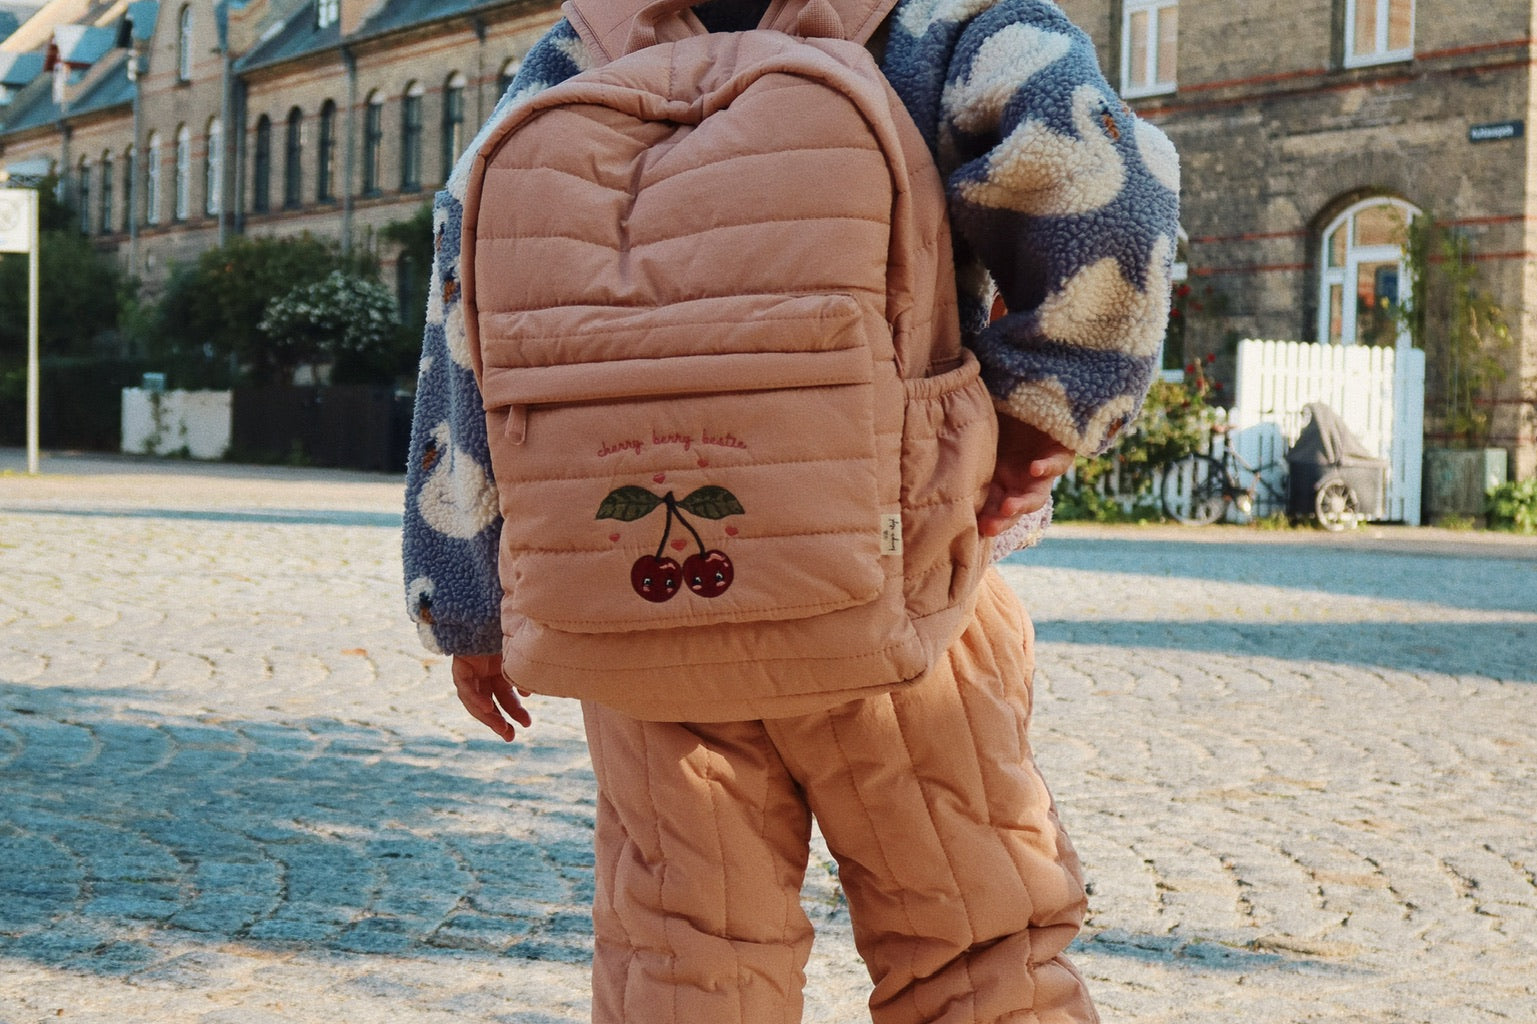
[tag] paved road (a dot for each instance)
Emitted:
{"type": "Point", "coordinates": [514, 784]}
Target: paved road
{"type": "Point", "coordinates": [1301, 769]}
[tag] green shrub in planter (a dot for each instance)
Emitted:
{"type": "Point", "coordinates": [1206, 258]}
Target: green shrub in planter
{"type": "Point", "coordinates": [1513, 506]}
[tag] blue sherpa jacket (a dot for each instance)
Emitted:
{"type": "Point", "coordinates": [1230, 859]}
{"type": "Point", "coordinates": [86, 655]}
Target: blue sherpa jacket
{"type": "Point", "coordinates": [1060, 199]}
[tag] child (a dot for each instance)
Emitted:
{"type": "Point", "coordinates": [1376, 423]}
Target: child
{"type": "Point", "coordinates": [963, 889]}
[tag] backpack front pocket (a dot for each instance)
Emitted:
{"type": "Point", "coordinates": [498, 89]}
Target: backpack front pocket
{"type": "Point", "coordinates": [689, 480]}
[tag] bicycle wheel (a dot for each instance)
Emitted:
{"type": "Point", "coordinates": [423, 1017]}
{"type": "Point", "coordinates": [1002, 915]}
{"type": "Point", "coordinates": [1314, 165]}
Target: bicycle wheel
{"type": "Point", "coordinates": [1336, 505]}
{"type": "Point", "coordinates": [1195, 490]}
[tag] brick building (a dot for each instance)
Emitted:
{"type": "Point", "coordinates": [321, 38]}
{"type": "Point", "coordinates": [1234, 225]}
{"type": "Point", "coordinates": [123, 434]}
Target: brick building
{"type": "Point", "coordinates": [1310, 130]}
{"type": "Point", "coordinates": [345, 113]}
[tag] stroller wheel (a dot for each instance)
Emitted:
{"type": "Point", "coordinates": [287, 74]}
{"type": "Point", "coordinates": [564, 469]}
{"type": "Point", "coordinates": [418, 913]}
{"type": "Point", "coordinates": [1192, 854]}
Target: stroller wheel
{"type": "Point", "coordinates": [1336, 505]}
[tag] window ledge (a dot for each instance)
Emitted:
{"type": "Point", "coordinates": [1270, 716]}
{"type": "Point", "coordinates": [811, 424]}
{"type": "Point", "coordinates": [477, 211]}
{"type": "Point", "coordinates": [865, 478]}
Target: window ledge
{"type": "Point", "coordinates": [1375, 59]}
{"type": "Point", "coordinates": [1158, 89]}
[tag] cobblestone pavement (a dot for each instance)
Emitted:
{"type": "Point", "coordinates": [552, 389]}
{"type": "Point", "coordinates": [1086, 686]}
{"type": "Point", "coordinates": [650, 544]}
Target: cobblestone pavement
{"type": "Point", "coordinates": [1301, 770]}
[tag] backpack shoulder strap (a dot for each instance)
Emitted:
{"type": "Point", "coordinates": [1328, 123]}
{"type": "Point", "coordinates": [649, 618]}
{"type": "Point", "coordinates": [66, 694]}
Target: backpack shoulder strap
{"type": "Point", "coordinates": [612, 28]}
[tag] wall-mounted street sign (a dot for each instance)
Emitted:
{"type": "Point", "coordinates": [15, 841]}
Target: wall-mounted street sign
{"type": "Point", "coordinates": [1496, 131]}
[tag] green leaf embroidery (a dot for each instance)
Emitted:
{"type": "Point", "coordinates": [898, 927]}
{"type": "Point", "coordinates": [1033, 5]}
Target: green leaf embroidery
{"type": "Point", "coordinates": [712, 503]}
{"type": "Point", "coordinates": [628, 504]}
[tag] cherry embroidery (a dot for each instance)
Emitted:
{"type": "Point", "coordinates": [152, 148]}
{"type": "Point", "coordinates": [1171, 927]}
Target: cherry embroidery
{"type": "Point", "coordinates": [656, 577]}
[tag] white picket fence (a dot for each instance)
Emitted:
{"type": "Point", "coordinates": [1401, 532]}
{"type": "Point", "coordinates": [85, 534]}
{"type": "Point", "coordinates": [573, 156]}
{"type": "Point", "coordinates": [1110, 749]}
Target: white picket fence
{"type": "Point", "coordinates": [1378, 392]}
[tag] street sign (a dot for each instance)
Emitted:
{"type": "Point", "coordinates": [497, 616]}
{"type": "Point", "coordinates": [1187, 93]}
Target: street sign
{"type": "Point", "coordinates": [1497, 131]}
{"type": "Point", "coordinates": [17, 215]}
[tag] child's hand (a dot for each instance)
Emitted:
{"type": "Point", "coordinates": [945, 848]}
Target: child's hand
{"type": "Point", "coordinates": [1029, 462]}
{"type": "Point", "coordinates": [488, 696]}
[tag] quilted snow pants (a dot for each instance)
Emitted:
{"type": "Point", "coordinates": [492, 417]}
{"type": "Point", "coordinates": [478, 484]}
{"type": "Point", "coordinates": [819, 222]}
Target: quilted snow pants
{"type": "Point", "coordinates": [963, 889]}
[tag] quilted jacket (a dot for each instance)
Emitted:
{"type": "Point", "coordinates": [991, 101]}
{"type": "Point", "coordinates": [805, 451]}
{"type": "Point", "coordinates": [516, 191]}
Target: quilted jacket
{"type": "Point", "coordinates": [1062, 202]}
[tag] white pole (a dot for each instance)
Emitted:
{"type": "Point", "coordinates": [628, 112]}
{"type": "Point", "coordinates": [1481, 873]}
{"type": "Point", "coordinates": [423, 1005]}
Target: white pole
{"type": "Point", "coordinates": [32, 362]}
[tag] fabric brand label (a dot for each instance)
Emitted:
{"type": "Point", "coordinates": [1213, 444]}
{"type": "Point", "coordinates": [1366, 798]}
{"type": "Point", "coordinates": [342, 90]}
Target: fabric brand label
{"type": "Point", "coordinates": [891, 533]}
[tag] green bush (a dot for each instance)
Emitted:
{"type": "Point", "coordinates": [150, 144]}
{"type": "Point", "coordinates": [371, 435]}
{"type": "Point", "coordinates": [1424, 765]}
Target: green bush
{"type": "Point", "coordinates": [206, 329]}
{"type": "Point", "coordinates": [1175, 421]}
{"type": "Point", "coordinates": [341, 319]}
{"type": "Point", "coordinates": [78, 291]}
{"type": "Point", "coordinates": [1513, 506]}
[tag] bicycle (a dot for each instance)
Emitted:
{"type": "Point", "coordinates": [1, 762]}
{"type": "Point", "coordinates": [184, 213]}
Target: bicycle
{"type": "Point", "coordinates": [1197, 489]}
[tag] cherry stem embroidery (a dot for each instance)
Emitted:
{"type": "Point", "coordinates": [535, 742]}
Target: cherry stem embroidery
{"type": "Point", "coordinates": [661, 549]}
{"type": "Point", "coordinates": [674, 511]}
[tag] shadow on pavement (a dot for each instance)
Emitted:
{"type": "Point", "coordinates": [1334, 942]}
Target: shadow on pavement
{"type": "Point", "coordinates": [1505, 651]}
{"type": "Point", "coordinates": [1486, 584]}
{"type": "Point", "coordinates": [1208, 953]}
{"type": "Point", "coordinates": [120, 826]}
{"type": "Point", "coordinates": [280, 516]}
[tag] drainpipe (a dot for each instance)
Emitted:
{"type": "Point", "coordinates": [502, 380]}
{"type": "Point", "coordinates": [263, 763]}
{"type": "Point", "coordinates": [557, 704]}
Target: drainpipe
{"type": "Point", "coordinates": [349, 153]}
{"type": "Point", "coordinates": [136, 164]}
{"type": "Point", "coordinates": [480, 73]}
{"type": "Point", "coordinates": [237, 172]}
{"type": "Point", "coordinates": [226, 86]}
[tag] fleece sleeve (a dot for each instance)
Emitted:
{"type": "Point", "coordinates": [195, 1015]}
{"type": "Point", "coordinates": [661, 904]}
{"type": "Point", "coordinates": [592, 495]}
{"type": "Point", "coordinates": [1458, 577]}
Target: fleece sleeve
{"type": "Point", "coordinates": [1059, 196]}
{"type": "Point", "coordinates": [452, 520]}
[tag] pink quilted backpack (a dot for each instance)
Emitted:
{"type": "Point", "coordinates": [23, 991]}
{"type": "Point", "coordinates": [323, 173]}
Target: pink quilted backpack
{"type": "Point", "coordinates": [710, 302]}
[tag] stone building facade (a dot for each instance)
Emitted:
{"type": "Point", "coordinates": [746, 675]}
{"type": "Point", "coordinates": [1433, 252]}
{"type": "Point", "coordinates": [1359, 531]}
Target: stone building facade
{"type": "Point", "coordinates": [344, 114]}
{"type": "Point", "coordinates": [1309, 131]}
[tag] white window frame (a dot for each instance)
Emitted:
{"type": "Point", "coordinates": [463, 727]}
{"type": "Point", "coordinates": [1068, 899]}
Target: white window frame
{"type": "Point", "coordinates": [183, 172]}
{"type": "Point", "coordinates": [184, 45]}
{"type": "Point", "coordinates": [1179, 273]}
{"type": "Point", "coordinates": [152, 179]}
{"type": "Point", "coordinates": [1158, 80]}
{"type": "Point", "coordinates": [83, 195]}
{"type": "Point", "coordinates": [373, 144]}
{"type": "Point", "coordinates": [1379, 51]}
{"type": "Point", "coordinates": [452, 130]}
{"type": "Point", "coordinates": [213, 170]}
{"type": "Point", "coordinates": [104, 201]}
{"type": "Point", "coordinates": [1344, 276]}
{"type": "Point", "coordinates": [327, 12]}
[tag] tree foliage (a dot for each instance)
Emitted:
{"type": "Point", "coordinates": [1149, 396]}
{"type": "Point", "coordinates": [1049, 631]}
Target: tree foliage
{"type": "Point", "coordinates": [1462, 328]}
{"type": "Point", "coordinates": [340, 319]}
{"type": "Point", "coordinates": [78, 289]}
{"type": "Point", "coordinates": [414, 263]}
{"type": "Point", "coordinates": [208, 320]}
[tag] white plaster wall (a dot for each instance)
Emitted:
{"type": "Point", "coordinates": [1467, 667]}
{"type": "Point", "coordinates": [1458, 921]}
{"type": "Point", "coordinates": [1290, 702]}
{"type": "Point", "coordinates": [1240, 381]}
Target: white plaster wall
{"type": "Point", "coordinates": [197, 421]}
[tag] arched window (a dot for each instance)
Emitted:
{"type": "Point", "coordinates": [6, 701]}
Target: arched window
{"type": "Point", "coordinates": [1173, 361]}
{"type": "Point", "coordinates": [107, 185]}
{"type": "Point", "coordinates": [453, 122]}
{"type": "Point", "coordinates": [504, 78]}
{"type": "Point", "coordinates": [325, 183]}
{"type": "Point", "coordinates": [183, 172]}
{"type": "Point", "coordinates": [184, 44]}
{"type": "Point", "coordinates": [373, 143]}
{"type": "Point", "coordinates": [411, 137]}
{"type": "Point", "coordinates": [1362, 280]}
{"type": "Point", "coordinates": [293, 160]}
{"type": "Point", "coordinates": [152, 180]}
{"type": "Point", "coordinates": [261, 166]}
{"type": "Point", "coordinates": [213, 170]}
{"type": "Point", "coordinates": [130, 170]}
{"type": "Point", "coordinates": [83, 186]}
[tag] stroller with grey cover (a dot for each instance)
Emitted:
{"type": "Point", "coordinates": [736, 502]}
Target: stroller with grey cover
{"type": "Point", "coordinates": [1332, 474]}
